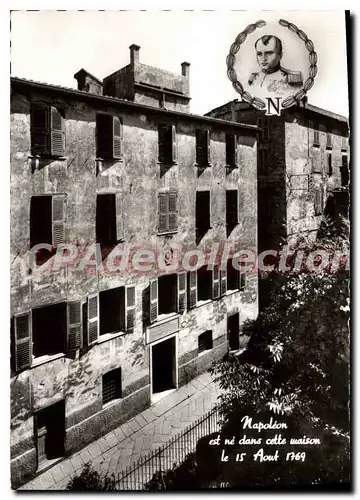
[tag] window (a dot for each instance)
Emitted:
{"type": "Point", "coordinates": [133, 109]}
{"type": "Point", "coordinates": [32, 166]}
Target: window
{"type": "Point", "coordinates": [205, 341]}
{"type": "Point", "coordinates": [167, 295]}
{"type": "Point", "coordinates": [318, 201]}
{"type": "Point", "coordinates": [168, 219]}
{"type": "Point", "coordinates": [202, 148]}
{"type": "Point", "coordinates": [50, 432]}
{"type": "Point", "coordinates": [109, 137]}
{"type": "Point", "coordinates": [329, 168]}
{"type": "Point", "coordinates": [233, 277]}
{"type": "Point", "coordinates": [111, 386]}
{"type": "Point", "coordinates": [344, 143]}
{"type": "Point", "coordinates": [344, 171]}
{"type": "Point", "coordinates": [47, 130]}
{"type": "Point", "coordinates": [167, 144]}
{"type": "Point", "coordinates": [117, 310]}
{"type": "Point", "coordinates": [109, 222]}
{"type": "Point", "coordinates": [316, 138]}
{"type": "Point", "coordinates": [202, 211]}
{"type": "Point", "coordinates": [232, 211]}
{"type": "Point", "coordinates": [204, 284]}
{"type": "Point", "coordinates": [328, 140]}
{"type": "Point", "coordinates": [49, 330]}
{"type": "Point", "coordinates": [47, 220]}
{"type": "Point", "coordinates": [231, 150]}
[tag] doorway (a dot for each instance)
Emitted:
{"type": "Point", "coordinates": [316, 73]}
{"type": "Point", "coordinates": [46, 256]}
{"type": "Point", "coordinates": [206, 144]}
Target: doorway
{"type": "Point", "coordinates": [50, 432]}
{"type": "Point", "coordinates": [163, 366]}
{"type": "Point", "coordinates": [233, 324]}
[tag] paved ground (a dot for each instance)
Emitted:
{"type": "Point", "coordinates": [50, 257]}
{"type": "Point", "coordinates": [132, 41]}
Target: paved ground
{"type": "Point", "coordinates": [143, 433]}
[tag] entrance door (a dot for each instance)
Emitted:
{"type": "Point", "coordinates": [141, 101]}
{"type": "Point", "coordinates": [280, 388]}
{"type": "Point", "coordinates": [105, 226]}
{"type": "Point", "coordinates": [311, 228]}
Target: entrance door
{"type": "Point", "coordinates": [233, 331]}
{"type": "Point", "coordinates": [163, 366]}
{"type": "Point", "coordinates": [50, 427]}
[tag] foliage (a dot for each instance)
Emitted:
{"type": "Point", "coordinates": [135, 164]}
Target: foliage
{"type": "Point", "coordinates": [90, 479]}
{"type": "Point", "coordinates": [180, 477]}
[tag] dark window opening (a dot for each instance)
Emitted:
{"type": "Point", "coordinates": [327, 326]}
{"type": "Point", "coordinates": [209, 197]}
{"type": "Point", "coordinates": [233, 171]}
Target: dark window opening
{"type": "Point", "coordinates": [106, 219]}
{"type": "Point", "coordinates": [204, 283]}
{"type": "Point", "coordinates": [167, 143]}
{"type": "Point", "coordinates": [233, 276]}
{"type": "Point", "coordinates": [111, 386]}
{"type": "Point", "coordinates": [202, 212]}
{"type": "Point", "coordinates": [205, 341]}
{"type": "Point", "coordinates": [231, 150]}
{"type": "Point", "coordinates": [344, 171]}
{"type": "Point", "coordinates": [49, 330]}
{"type": "Point", "coordinates": [231, 209]}
{"type": "Point", "coordinates": [233, 331]}
{"type": "Point", "coordinates": [328, 140]}
{"type": "Point", "coordinates": [112, 305]}
{"type": "Point", "coordinates": [109, 137]}
{"type": "Point", "coordinates": [50, 432]}
{"type": "Point", "coordinates": [329, 165]}
{"type": "Point", "coordinates": [202, 148]}
{"type": "Point", "coordinates": [47, 130]}
{"type": "Point", "coordinates": [167, 289]}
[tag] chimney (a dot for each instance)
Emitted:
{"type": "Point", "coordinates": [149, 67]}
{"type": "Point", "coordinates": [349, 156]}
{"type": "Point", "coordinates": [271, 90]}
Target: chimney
{"type": "Point", "coordinates": [87, 82]}
{"type": "Point", "coordinates": [134, 53]}
{"type": "Point", "coordinates": [185, 69]}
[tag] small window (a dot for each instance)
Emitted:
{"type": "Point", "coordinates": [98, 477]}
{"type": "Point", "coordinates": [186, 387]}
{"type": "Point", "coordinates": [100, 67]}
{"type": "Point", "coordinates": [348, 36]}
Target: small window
{"type": "Point", "coordinates": [49, 330]}
{"type": "Point", "coordinates": [47, 130]}
{"type": "Point", "coordinates": [232, 212]}
{"type": "Point", "coordinates": [205, 341]}
{"type": "Point", "coordinates": [111, 386]}
{"type": "Point", "coordinates": [109, 137]}
{"type": "Point", "coordinates": [202, 148]}
{"type": "Point", "coordinates": [167, 144]}
{"type": "Point", "coordinates": [328, 140]}
{"type": "Point", "coordinates": [329, 167]}
{"type": "Point", "coordinates": [318, 201]}
{"type": "Point", "coordinates": [109, 224]}
{"type": "Point", "coordinates": [233, 277]}
{"type": "Point", "coordinates": [316, 138]}
{"type": "Point", "coordinates": [203, 211]}
{"type": "Point", "coordinates": [204, 284]}
{"type": "Point", "coordinates": [47, 220]}
{"type": "Point", "coordinates": [231, 150]}
{"type": "Point", "coordinates": [168, 218]}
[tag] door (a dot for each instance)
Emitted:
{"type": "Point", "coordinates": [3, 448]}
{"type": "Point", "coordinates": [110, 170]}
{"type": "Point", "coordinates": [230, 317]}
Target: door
{"type": "Point", "coordinates": [50, 432]}
{"type": "Point", "coordinates": [163, 366]}
{"type": "Point", "coordinates": [233, 331]}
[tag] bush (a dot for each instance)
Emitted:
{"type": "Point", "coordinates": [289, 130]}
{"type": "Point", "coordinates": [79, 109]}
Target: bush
{"type": "Point", "coordinates": [180, 477]}
{"type": "Point", "coordinates": [90, 479]}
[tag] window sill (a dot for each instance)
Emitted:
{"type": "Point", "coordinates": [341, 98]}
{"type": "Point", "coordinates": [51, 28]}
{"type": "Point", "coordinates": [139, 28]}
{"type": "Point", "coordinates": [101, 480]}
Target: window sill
{"type": "Point", "coordinates": [167, 163]}
{"type": "Point", "coordinates": [206, 351]}
{"type": "Point", "coordinates": [167, 232]}
{"type": "Point", "coordinates": [108, 336]}
{"type": "Point", "coordinates": [109, 159]}
{"type": "Point", "coordinates": [232, 291]}
{"type": "Point", "coordinates": [47, 157]}
{"type": "Point", "coordinates": [316, 145]}
{"type": "Point", "coordinates": [206, 165]}
{"type": "Point", "coordinates": [110, 403]}
{"type": "Point", "coordinates": [231, 166]}
{"type": "Point", "coordinates": [163, 318]}
{"type": "Point", "coordinates": [328, 146]}
{"type": "Point", "coordinates": [41, 360]}
{"type": "Point", "coordinates": [200, 303]}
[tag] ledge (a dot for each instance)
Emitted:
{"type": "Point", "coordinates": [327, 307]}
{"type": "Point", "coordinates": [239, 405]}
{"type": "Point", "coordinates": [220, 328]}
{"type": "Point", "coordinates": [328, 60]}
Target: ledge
{"type": "Point", "coordinates": [109, 336]}
{"type": "Point", "coordinates": [41, 360]}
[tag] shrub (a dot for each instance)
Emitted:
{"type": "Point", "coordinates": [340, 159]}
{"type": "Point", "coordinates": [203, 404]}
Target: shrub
{"type": "Point", "coordinates": [90, 479]}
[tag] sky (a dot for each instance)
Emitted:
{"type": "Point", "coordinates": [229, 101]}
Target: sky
{"type": "Point", "coordinates": [50, 46]}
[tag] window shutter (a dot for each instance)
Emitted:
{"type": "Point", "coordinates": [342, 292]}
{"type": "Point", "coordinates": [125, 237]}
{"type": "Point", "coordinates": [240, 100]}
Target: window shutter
{"type": "Point", "coordinates": [231, 150]}
{"type": "Point", "coordinates": [163, 141]}
{"type": "Point", "coordinates": [202, 147]}
{"type": "Point", "coordinates": [173, 143]}
{"type": "Point", "coordinates": [130, 308]}
{"type": "Point", "coordinates": [40, 129]}
{"type": "Point", "coordinates": [93, 319]}
{"type": "Point", "coordinates": [119, 217]}
{"type": "Point", "coordinates": [58, 219]}
{"type": "Point", "coordinates": [232, 208]}
{"type": "Point", "coordinates": [74, 324]}
{"type": "Point", "coordinates": [207, 144]}
{"type": "Point", "coordinates": [192, 289]}
{"type": "Point", "coordinates": [223, 282]}
{"type": "Point", "coordinates": [181, 282]}
{"type": "Point", "coordinates": [173, 212]}
{"type": "Point", "coordinates": [57, 133]}
{"type": "Point", "coordinates": [23, 341]}
{"type": "Point", "coordinates": [117, 137]}
{"type": "Point", "coordinates": [215, 282]}
{"type": "Point", "coordinates": [153, 300]}
{"type": "Point", "coordinates": [163, 212]}
{"type": "Point", "coordinates": [242, 281]}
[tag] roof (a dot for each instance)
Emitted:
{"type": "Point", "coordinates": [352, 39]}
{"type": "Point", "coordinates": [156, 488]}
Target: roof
{"type": "Point", "coordinates": [115, 101]}
{"type": "Point", "coordinates": [83, 71]}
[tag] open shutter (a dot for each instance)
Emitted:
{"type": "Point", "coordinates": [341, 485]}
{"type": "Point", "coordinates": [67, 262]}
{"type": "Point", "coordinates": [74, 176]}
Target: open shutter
{"type": "Point", "coordinates": [181, 295]}
{"type": "Point", "coordinates": [192, 289]}
{"type": "Point", "coordinates": [202, 147]}
{"type": "Point", "coordinates": [117, 137]}
{"type": "Point", "coordinates": [153, 300]}
{"type": "Point", "coordinates": [215, 283]}
{"type": "Point", "coordinates": [40, 128]}
{"type": "Point", "coordinates": [223, 282]}
{"type": "Point", "coordinates": [163, 212]}
{"type": "Point", "coordinates": [58, 219]}
{"type": "Point", "coordinates": [173, 143]}
{"type": "Point", "coordinates": [23, 341]}
{"type": "Point", "coordinates": [119, 217]}
{"type": "Point", "coordinates": [74, 324]}
{"type": "Point", "coordinates": [93, 319]}
{"type": "Point", "coordinates": [173, 212]}
{"type": "Point", "coordinates": [57, 133]}
{"type": "Point", "coordinates": [130, 309]}
{"type": "Point", "coordinates": [163, 142]}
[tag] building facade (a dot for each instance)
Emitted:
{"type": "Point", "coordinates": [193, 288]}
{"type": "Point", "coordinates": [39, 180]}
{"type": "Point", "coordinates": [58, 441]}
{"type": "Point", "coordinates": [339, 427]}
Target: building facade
{"type": "Point", "coordinates": [113, 165]}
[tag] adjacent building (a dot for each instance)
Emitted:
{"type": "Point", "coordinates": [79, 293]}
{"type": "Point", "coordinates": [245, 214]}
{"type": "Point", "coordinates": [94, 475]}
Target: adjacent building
{"type": "Point", "coordinates": [119, 162]}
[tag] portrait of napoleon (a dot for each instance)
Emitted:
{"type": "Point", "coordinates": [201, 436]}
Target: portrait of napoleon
{"type": "Point", "coordinates": [273, 77]}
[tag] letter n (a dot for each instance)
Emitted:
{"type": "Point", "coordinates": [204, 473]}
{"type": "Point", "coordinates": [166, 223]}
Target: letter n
{"type": "Point", "coordinates": [272, 108]}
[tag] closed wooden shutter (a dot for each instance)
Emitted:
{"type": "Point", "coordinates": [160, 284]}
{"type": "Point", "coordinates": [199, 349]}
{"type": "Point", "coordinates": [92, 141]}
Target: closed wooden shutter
{"type": "Point", "coordinates": [117, 138]}
{"type": "Point", "coordinates": [192, 289]}
{"type": "Point", "coordinates": [215, 283]}
{"type": "Point", "coordinates": [23, 341]}
{"type": "Point", "coordinates": [40, 138]}
{"type": "Point", "coordinates": [181, 295]}
{"type": "Point", "coordinates": [223, 282]}
{"type": "Point", "coordinates": [202, 147]}
{"type": "Point", "coordinates": [173, 218]}
{"type": "Point", "coordinates": [93, 319]}
{"type": "Point", "coordinates": [231, 150]}
{"type": "Point", "coordinates": [57, 133]}
{"type": "Point", "coordinates": [119, 217]}
{"type": "Point", "coordinates": [153, 300]}
{"type": "Point", "coordinates": [130, 308]}
{"type": "Point", "coordinates": [74, 325]}
{"type": "Point", "coordinates": [58, 219]}
{"type": "Point", "coordinates": [163, 212]}
{"type": "Point", "coordinates": [173, 144]}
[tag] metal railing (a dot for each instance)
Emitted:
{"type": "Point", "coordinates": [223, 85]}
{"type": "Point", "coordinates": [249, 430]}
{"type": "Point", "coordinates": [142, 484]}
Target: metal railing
{"type": "Point", "coordinates": [169, 454]}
